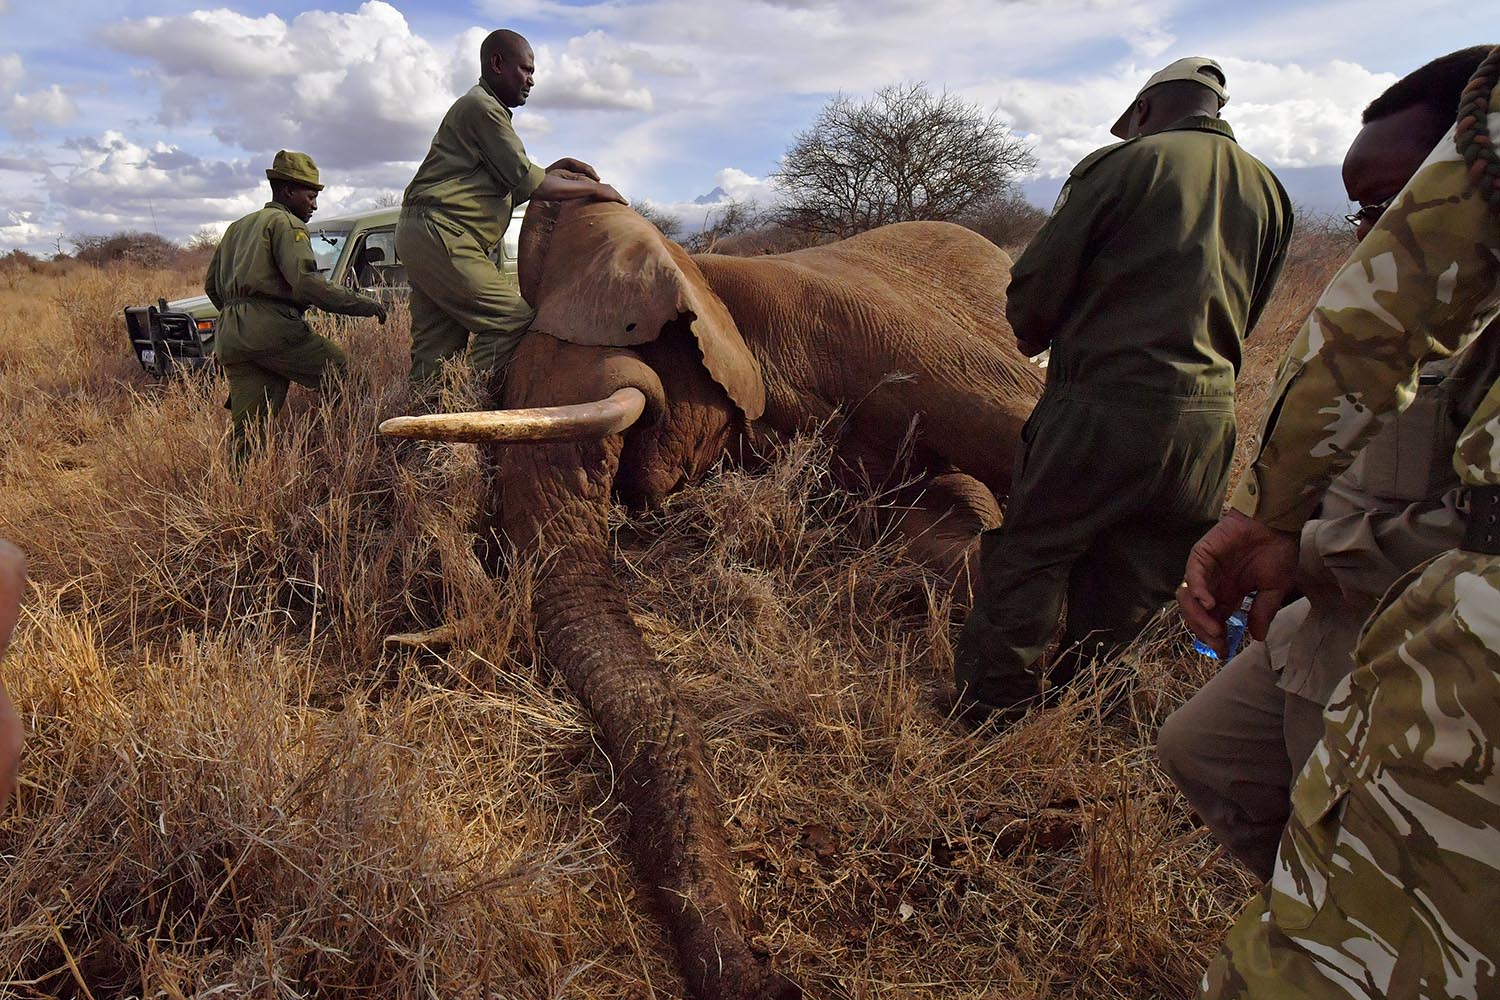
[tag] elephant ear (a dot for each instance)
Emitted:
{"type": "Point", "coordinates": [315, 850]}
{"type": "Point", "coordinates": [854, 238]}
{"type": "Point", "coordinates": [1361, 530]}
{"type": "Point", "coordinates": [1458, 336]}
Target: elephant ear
{"type": "Point", "coordinates": [599, 274]}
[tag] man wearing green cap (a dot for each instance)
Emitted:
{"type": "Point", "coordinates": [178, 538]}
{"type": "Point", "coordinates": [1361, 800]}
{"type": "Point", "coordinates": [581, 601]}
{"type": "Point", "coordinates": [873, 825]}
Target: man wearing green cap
{"type": "Point", "coordinates": [1158, 258]}
{"type": "Point", "coordinates": [262, 277]}
{"type": "Point", "coordinates": [457, 207]}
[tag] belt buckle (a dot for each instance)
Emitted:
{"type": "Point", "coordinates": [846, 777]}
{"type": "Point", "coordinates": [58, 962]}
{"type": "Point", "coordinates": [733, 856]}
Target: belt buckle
{"type": "Point", "coordinates": [1482, 533]}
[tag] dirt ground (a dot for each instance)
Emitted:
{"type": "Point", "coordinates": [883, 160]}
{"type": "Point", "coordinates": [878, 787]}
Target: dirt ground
{"type": "Point", "coordinates": [233, 786]}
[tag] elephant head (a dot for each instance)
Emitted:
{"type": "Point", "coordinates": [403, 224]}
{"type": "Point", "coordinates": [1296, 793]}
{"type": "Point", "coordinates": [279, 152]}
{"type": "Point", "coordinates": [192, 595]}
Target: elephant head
{"type": "Point", "coordinates": [634, 378]}
{"type": "Point", "coordinates": [644, 368]}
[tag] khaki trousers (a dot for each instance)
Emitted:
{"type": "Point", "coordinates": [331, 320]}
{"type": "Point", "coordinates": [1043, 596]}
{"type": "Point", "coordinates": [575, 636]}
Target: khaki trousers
{"type": "Point", "coordinates": [1235, 747]}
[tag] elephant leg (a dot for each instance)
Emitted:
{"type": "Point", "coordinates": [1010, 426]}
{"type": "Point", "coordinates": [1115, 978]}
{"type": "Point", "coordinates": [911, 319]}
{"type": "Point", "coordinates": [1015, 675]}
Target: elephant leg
{"type": "Point", "coordinates": [939, 514]}
{"type": "Point", "coordinates": [940, 519]}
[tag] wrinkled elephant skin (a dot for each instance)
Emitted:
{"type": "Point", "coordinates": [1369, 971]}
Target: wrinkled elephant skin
{"type": "Point", "coordinates": [898, 335]}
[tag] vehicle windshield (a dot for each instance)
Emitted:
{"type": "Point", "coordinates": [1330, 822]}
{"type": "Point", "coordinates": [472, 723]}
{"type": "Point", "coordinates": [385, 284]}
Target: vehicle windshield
{"type": "Point", "coordinates": [327, 244]}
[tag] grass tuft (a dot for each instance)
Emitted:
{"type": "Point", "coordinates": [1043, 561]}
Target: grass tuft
{"type": "Point", "coordinates": [233, 785]}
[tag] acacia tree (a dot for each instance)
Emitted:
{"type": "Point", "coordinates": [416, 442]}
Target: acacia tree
{"type": "Point", "coordinates": [904, 155]}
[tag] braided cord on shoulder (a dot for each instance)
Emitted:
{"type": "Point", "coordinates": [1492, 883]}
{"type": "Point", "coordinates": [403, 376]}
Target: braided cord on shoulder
{"type": "Point", "coordinates": [1475, 144]}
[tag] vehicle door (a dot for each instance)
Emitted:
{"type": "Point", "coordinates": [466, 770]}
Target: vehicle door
{"type": "Point", "coordinates": [374, 267]}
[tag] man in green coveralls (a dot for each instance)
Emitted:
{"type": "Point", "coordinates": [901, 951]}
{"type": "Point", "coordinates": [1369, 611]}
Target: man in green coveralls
{"type": "Point", "coordinates": [1157, 260]}
{"type": "Point", "coordinates": [457, 207]}
{"type": "Point", "coordinates": [1385, 881]}
{"type": "Point", "coordinates": [262, 277]}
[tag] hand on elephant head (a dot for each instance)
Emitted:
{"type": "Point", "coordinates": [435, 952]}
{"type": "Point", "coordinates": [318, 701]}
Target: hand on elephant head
{"type": "Point", "coordinates": [573, 168]}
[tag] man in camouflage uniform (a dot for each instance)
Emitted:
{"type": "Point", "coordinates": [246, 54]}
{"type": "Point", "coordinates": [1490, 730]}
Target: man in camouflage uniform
{"type": "Point", "coordinates": [1388, 871]}
{"type": "Point", "coordinates": [456, 210]}
{"type": "Point", "coordinates": [262, 277]}
{"type": "Point", "coordinates": [1237, 744]}
{"type": "Point", "coordinates": [1125, 460]}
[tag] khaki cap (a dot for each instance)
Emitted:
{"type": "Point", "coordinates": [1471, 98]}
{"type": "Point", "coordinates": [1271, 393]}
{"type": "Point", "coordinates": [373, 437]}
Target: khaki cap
{"type": "Point", "coordinates": [298, 168]}
{"type": "Point", "coordinates": [1197, 69]}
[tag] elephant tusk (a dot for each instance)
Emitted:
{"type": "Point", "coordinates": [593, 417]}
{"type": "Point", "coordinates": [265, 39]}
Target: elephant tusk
{"type": "Point", "coordinates": [578, 422]}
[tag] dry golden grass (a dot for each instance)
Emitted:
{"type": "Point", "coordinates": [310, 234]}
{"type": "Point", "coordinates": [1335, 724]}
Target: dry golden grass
{"type": "Point", "coordinates": [233, 788]}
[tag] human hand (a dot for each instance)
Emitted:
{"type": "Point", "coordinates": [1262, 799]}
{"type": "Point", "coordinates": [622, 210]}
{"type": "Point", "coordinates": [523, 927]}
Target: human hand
{"type": "Point", "coordinates": [12, 586]}
{"type": "Point", "coordinates": [576, 166]}
{"type": "Point", "coordinates": [605, 192]}
{"type": "Point", "coordinates": [1236, 556]}
{"type": "Point", "coordinates": [381, 312]}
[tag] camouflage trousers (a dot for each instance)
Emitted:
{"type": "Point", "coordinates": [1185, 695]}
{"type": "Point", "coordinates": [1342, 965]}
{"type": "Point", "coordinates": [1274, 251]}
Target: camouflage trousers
{"type": "Point", "coordinates": [1388, 873]}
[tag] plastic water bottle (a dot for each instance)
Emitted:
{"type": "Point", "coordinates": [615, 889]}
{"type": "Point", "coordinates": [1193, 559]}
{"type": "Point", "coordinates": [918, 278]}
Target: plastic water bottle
{"type": "Point", "coordinates": [1234, 630]}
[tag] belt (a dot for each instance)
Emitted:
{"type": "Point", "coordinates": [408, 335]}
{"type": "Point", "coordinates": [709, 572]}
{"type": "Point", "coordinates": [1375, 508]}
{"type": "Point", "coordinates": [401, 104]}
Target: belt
{"type": "Point", "coordinates": [1482, 534]}
{"type": "Point", "coordinates": [272, 299]}
{"type": "Point", "coordinates": [1138, 398]}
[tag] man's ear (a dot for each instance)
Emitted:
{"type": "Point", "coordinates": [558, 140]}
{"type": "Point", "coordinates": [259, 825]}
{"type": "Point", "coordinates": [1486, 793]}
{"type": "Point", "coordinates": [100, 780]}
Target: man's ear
{"type": "Point", "coordinates": [1142, 113]}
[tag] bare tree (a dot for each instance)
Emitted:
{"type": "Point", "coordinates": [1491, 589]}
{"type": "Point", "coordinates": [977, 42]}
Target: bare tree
{"type": "Point", "coordinates": [904, 155]}
{"type": "Point", "coordinates": [735, 217]}
{"type": "Point", "coordinates": [1008, 221]}
{"type": "Point", "coordinates": [669, 224]}
{"type": "Point", "coordinates": [387, 199]}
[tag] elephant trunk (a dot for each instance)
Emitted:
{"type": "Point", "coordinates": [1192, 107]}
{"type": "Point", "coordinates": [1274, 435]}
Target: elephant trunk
{"type": "Point", "coordinates": [555, 502]}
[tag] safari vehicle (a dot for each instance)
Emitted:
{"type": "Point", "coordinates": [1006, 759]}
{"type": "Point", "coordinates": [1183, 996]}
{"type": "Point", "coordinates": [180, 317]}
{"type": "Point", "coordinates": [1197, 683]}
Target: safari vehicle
{"type": "Point", "coordinates": [358, 251]}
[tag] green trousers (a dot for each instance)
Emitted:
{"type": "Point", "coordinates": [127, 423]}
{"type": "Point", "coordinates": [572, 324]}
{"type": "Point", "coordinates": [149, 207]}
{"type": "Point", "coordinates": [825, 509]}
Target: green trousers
{"type": "Point", "coordinates": [258, 382]}
{"type": "Point", "coordinates": [1386, 878]}
{"type": "Point", "coordinates": [457, 290]}
{"type": "Point", "coordinates": [1112, 489]}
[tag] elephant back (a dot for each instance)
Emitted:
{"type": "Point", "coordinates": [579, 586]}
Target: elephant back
{"type": "Point", "coordinates": [905, 321]}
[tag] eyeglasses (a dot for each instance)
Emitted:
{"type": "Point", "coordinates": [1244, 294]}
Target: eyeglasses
{"type": "Point", "coordinates": [1370, 213]}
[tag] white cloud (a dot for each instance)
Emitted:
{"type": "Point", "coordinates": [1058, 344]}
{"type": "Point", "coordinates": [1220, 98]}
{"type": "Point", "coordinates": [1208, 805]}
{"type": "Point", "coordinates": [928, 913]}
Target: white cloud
{"type": "Point", "coordinates": [659, 94]}
{"type": "Point", "coordinates": [114, 183]}
{"type": "Point", "coordinates": [1287, 115]}
{"type": "Point", "coordinates": [1295, 117]}
{"type": "Point", "coordinates": [760, 48]}
{"type": "Point", "coordinates": [593, 71]}
{"type": "Point", "coordinates": [352, 89]}
{"type": "Point", "coordinates": [21, 111]}
{"type": "Point", "coordinates": [729, 184]}
{"type": "Point", "coordinates": [19, 228]}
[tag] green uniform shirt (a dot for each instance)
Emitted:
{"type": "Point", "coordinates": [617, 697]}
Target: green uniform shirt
{"type": "Point", "coordinates": [477, 170]}
{"type": "Point", "coordinates": [1423, 284]}
{"type": "Point", "coordinates": [262, 275]}
{"type": "Point", "coordinates": [1158, 259]}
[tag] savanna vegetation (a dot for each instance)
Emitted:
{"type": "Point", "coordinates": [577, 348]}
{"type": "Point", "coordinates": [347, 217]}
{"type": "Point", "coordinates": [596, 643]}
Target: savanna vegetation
{"type": "Point", "coordinates": [904, 154]}
{"type": "Point", "coordinates": [235, 784]}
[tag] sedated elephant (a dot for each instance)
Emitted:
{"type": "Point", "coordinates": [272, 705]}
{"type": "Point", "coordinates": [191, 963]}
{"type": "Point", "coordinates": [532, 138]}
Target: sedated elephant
{"type": "Point", "coordinates": [644, 368]}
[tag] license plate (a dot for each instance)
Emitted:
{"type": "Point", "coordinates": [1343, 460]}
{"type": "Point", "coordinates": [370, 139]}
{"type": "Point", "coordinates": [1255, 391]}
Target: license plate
{"type": "Point", "coordinates": [148, 357]}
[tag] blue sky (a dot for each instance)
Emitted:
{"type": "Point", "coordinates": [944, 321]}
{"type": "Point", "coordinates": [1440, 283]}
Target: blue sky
{"type": "Point", "coordinates": [162, 115]}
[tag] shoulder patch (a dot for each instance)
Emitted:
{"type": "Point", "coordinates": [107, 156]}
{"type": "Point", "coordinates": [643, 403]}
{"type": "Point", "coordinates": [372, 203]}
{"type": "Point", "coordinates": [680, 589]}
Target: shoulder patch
{"type": "Point", "coordinates": [1062, 197]}
{"type": "Point", "coordinates": [299, 234]}
{"type": "Point", "coordinates": [1087, 163]}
